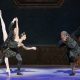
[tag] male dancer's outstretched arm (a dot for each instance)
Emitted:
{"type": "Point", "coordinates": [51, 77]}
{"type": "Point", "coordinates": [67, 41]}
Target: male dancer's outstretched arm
{"type": "Point", "coordinates": [76, 35]}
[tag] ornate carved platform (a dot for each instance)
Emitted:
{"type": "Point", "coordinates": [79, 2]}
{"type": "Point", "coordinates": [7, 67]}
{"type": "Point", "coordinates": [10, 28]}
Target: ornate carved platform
{"type": "Point", "coordinates": [38, 3]}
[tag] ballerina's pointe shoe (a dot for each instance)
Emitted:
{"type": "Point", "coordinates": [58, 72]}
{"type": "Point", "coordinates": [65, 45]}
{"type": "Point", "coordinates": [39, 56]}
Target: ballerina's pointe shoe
{"type": "Point", "coordinates": [72, 74]}
{"type": "Point", "coordinates": [8, 71]}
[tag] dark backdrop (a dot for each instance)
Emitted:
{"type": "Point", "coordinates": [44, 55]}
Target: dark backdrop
{"type": "Point", "coordinates": [43, 25]}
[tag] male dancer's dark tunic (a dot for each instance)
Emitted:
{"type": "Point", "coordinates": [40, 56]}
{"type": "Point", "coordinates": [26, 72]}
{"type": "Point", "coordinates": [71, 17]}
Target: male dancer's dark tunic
{"type": "Point", "coordinates": [73, 49]}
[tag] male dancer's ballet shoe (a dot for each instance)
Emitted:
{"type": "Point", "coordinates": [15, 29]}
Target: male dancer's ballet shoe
{"type": "Point", "coordinates": [8, 71]}
{"type": "Point", "coordinates": [72, 74]}
{"type": "Point", "coordinates": [19, 73]}
{"type": "Point", "coordinates": [11, 70]}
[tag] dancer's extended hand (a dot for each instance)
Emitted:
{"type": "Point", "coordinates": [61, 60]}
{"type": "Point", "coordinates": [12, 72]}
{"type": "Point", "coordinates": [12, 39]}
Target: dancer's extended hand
{"type": "Point", "coordinates": [15, 19]}
{"type": "Point", "coordinates": [34, 48]}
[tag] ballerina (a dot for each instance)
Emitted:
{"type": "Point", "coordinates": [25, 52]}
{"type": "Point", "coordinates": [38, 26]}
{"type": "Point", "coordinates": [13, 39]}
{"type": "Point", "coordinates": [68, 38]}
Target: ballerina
{"type": "Point", "coordinates": [14, 34]}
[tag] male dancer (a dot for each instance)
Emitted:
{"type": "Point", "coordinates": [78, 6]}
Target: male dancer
{"type": "Point", "coordinates": [72, 47]}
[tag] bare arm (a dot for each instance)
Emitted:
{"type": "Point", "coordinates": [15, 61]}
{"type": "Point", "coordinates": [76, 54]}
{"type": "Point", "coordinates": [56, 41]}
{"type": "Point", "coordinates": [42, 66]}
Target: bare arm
{"type": "Point", "coordinates": [29, 48]}
{"type": "Point", "coordinates": [17, 30]}
{"type": "Point", "coordinates": [26, 48]}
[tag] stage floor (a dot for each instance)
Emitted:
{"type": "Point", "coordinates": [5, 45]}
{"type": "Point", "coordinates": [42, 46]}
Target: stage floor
{"type": "Point", "coordinates": [40, 74]}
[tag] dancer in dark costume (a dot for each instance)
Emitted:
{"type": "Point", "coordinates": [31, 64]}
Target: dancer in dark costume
{"type": "Point", "coordinates": [5, 35]}
{"type": "Point", "coordinates": [72, 48]}
{"type": "Point", "coordinates": [12, 42]}
{"type": "Point", "coordinates": [10, 47]}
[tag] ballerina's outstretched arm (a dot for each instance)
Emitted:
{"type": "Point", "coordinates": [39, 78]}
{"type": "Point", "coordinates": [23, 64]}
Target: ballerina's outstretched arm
{"type": "Point", "coordinates": [20, 44]}
{"type": "Point", "coordinates": [25, 47]}
{"type": "Point", "coordinates": [17, 30]}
